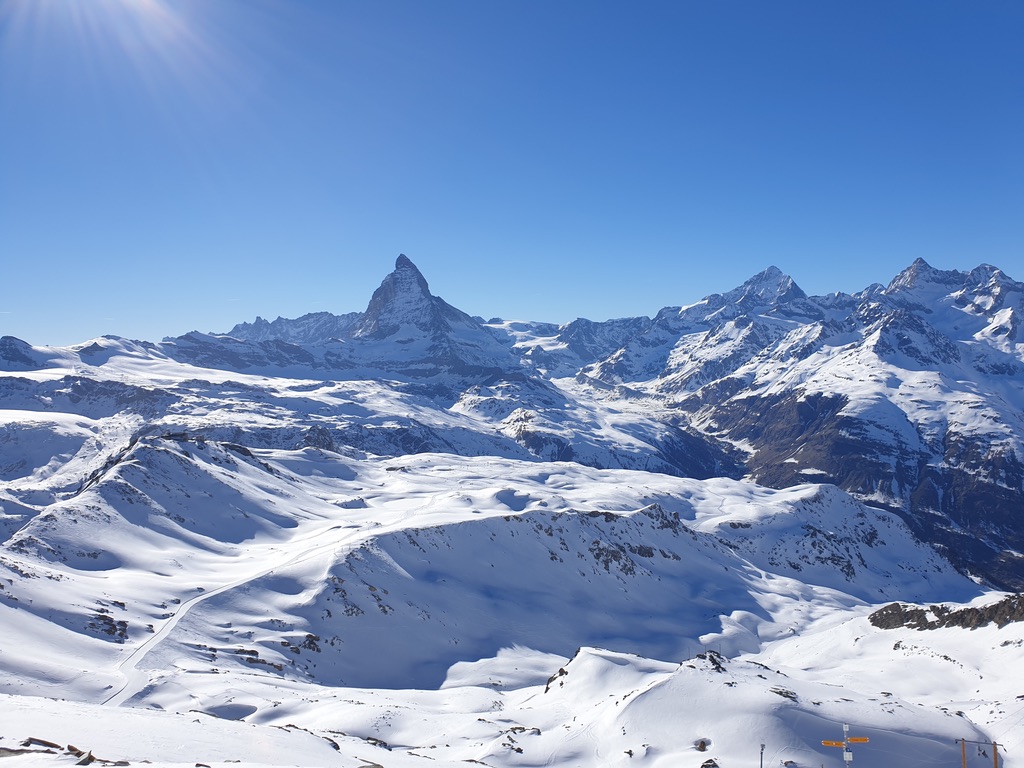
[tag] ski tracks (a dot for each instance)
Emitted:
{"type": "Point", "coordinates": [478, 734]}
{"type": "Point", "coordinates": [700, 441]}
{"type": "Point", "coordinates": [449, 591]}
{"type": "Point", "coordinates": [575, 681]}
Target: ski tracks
{"type": "Point", "coordinates": [135, 679]}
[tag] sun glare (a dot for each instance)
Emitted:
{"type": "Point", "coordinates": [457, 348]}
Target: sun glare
{"type": "Point", "coordinates": [111, 41]}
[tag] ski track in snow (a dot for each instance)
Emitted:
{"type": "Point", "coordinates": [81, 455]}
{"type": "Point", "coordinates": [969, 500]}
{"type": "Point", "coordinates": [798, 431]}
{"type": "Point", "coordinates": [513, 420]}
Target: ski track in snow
{"type": "Point", "coordinates": [136, 679]}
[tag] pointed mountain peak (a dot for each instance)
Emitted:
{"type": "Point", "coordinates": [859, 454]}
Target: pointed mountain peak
{"type": "Point", "coordinates": [770, 290]}
{"type": "Point", "coordinates": [421, 333]}
{"type": "Point", "coordinates": [911, 274]}
{"type": "Point", "coordinates": [769, 287]}
{"type": "Point", "coordinates": [920, 273]}
{"type": "Point", "coordinates": [771, 273]}
{"type": "Point", "coordinates": [993, 278]}
{"type": "Point", "coordinates": [407, 276]}
{"type": "Point", "coordinates": [403, 298]}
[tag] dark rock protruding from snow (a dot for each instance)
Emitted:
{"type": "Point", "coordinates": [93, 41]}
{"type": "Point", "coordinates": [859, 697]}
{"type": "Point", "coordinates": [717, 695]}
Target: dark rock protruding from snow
{"type": "Point", "coordinates": [17, 355]}
{"type": "Point", "coordinates": [895, 615]}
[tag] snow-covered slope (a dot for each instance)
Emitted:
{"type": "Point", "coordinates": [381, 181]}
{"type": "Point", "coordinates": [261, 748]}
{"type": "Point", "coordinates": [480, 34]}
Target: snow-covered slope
{"type": "Point", "coordinates": [307, 589]}
{"type": "Point", "coordinates": [365, 555]}
{"type": "Point", "coordinates": [406, 534]}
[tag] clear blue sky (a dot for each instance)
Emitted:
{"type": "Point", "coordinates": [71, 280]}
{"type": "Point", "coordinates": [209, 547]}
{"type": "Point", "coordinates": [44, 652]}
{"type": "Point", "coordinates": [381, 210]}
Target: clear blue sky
{"type": "Point", "coordinates": [168, 165]}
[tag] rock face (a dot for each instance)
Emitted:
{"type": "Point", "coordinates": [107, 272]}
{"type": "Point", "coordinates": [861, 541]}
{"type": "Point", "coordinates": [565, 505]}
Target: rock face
{"type": "Point", "coordinates": [314, 328]}
{"type": "Point", "coordinates": [404, 299]}
{"type": "Point", "coordinates": [1001, 613]}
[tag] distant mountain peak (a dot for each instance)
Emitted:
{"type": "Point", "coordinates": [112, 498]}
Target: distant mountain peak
{"type": "Point", "coordinates": [776, 281]}
{"type": "Point", "coordinates": [920, 273]}
{"type": "Point", "coordinates": [771, 273]}
{"type": "Point", "coordinates": [403, 298]}
{"type": "Point", "coordinates": [407, 277]}
{"type": "Point", "coordinates": [767, 288]}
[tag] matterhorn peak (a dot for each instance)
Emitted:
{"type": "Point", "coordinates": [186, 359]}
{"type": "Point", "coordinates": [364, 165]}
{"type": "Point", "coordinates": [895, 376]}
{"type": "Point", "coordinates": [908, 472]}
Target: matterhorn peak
{"type": "Point", "coordinates": [407, 277]}
{"type": "Point", "coordinates": [404, 264]}
{"type": "Point", "coordinates": [403, 298]}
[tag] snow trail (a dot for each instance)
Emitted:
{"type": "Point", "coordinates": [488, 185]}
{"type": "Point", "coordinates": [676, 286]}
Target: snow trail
{"type": "Point", "coordinates": [136, 679]}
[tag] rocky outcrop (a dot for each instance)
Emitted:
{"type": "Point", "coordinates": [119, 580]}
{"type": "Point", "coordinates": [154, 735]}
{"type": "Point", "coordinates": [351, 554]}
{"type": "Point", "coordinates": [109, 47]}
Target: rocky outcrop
{"type": "Point", "coordinates": [1007, 611]}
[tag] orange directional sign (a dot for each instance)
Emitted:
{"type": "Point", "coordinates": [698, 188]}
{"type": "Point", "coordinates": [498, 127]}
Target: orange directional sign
{"type": "Point", "coordinates": [833, 744]}
{"type": "Point", "coordinates": [858, 740]}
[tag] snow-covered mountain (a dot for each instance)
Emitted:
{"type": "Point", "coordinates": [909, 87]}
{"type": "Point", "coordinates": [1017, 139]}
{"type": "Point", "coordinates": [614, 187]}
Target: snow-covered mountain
{"type": "Point", "coordinates": [408, 534]}
{"type": "Point", "coordinates": [405, 329]}
{"type": "Point", "coordinates": [909, 396]}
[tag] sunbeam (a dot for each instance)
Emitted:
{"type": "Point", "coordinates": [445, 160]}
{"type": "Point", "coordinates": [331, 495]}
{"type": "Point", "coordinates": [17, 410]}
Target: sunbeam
{"type": "Point", "coordinates": [112, 45]}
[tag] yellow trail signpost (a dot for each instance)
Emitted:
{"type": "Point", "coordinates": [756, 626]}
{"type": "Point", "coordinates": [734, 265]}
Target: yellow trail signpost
{"type": "Point", "coordinates": [846, 742]}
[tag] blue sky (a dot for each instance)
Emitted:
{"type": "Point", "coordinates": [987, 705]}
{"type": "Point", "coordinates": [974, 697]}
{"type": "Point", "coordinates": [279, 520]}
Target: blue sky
{"type": "Point", "coordinates": [169, 165]}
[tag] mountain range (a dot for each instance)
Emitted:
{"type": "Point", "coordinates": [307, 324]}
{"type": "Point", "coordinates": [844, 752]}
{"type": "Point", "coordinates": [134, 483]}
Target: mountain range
{"type": "Point", "coordinates": [410, 534]}
{"type": "Point", "coordinates": [908, 396]}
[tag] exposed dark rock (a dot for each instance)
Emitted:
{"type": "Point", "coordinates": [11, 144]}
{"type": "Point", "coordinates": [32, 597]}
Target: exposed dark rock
{"type": "Point", "coordinates": [1007, 611]}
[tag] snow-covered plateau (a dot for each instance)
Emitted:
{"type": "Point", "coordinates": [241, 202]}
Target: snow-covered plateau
{"type": "Point", "coordinates": [740, 533]}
